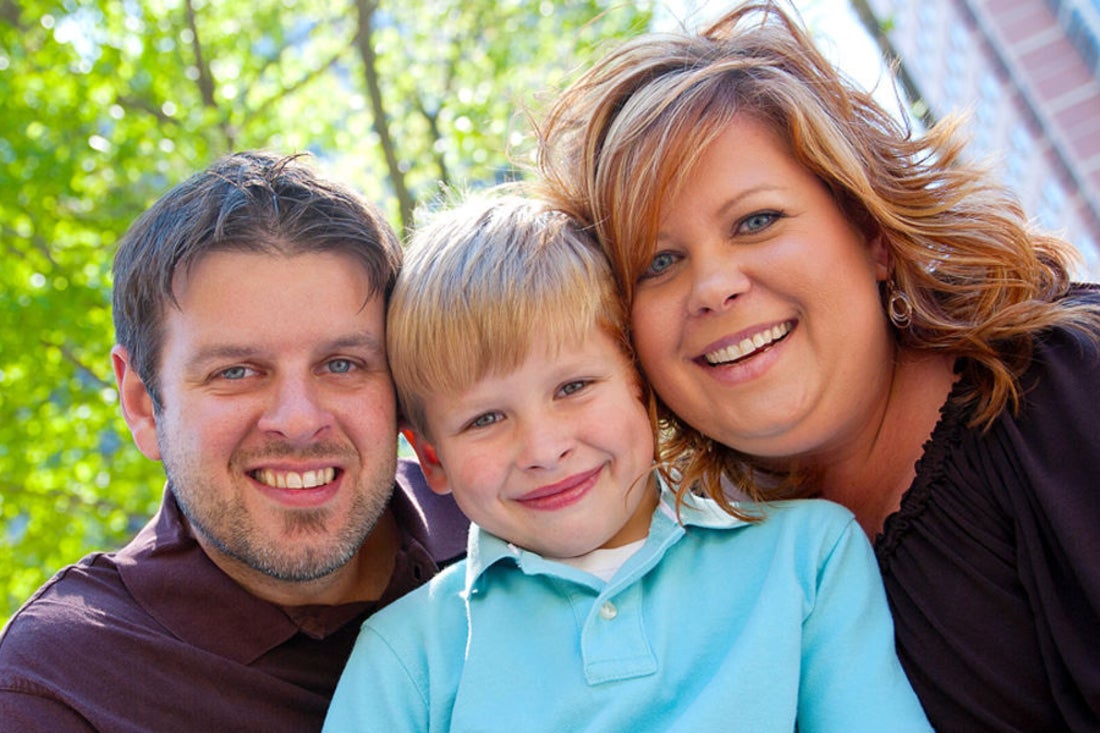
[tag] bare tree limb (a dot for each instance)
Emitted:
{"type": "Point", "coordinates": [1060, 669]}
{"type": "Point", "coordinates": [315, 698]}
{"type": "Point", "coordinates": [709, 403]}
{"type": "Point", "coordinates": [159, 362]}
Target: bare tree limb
{"type": "Point", "coordinates": [67, 498]}
{"type": "Point", "coordinates": [261, 109]}
{"type": "Point", "coordinates": [364, 40]}
{"type": "Point", "coordinates": [37, 243]}
{"type": "Point", "coordinates": [206, 79]}
{"type": "Point", "coordinates": [886, 47]}
{"type": "Point", "coordinates": [206, 76]}
{"type": "Point", "coordinates": [130, 102]}
{"type": "Point", "coordinates": [72, 358]}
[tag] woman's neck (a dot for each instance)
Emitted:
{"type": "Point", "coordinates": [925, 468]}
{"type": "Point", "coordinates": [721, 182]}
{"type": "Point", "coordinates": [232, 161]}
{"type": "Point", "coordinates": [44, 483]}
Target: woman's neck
{"type": "Point", "coordinates": [874, 472]}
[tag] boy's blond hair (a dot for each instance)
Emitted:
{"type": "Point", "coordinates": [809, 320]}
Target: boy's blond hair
{"type": "Point", "coordinates": [480, 282]}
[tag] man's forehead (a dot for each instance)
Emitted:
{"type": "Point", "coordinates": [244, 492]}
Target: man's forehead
{"type": "Point", "coordinates": [248, 263]}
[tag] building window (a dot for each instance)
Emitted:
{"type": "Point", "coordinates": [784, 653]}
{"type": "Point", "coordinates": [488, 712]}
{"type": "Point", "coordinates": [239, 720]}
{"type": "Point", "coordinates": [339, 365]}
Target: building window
{"type": "Point", "coordinates": [1052, 207]}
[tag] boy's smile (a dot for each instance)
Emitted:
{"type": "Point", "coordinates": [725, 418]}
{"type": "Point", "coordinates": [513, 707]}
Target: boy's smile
{"type": "Point", "coordinates": [555, 456]}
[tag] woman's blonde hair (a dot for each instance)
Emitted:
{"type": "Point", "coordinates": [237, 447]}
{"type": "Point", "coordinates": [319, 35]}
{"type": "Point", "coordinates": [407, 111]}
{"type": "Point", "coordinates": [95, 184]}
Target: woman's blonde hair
{"type": "Point", "coordinates": [622, 140]}
{"type": "Point", "coordinates": [480, 281]}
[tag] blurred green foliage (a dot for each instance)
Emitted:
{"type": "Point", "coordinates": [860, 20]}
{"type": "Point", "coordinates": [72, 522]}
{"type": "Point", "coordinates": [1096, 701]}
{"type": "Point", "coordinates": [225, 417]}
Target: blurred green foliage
{"type": "Point", "coordinates": [108, 103]}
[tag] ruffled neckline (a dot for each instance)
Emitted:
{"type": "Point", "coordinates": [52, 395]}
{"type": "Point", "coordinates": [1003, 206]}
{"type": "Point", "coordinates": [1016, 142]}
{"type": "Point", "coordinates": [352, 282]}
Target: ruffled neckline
{"type": "Point", "coordinates": [931, 468]}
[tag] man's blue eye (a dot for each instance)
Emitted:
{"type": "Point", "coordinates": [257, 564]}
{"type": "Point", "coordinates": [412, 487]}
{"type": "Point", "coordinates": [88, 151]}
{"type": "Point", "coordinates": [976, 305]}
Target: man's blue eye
{"type": "Point", "coordinates": [340, 366]}
{"type": "Point", "coordinates": [237, 372]}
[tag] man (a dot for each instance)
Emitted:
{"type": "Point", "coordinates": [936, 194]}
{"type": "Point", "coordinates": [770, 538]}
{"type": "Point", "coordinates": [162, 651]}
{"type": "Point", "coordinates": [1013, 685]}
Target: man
{"type": "Point", "coordinates": [249, 307]}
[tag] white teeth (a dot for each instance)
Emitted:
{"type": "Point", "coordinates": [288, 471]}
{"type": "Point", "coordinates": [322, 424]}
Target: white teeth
{"type": "Point", "coordinates": [293, 479]}
{"type": "Point", "coordinates": [749, 345]}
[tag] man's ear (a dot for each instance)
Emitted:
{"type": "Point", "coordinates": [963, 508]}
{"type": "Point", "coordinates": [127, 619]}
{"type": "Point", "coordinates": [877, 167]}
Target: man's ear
{"type": "Point", "coordinates": [434, 473]}
{"type": "Point", "coordinates": [136, 403]}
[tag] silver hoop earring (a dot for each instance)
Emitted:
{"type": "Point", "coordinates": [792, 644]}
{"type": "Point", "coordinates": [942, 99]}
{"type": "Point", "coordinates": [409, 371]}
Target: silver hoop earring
{"type": "Point", "coordinates": [898, 307]}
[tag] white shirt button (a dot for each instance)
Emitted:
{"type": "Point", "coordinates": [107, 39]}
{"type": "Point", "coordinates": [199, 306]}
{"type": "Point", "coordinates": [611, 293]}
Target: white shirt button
{"type": "Point", "coordinates": [608, 611]}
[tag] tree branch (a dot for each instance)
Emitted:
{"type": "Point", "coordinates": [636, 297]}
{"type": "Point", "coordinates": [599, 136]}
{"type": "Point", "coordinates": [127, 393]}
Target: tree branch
{"type": "Point", "coordinates": [364, 41]}
{"type": "Point", "coordinates": [72, 358]}
{"type": "Point", "coordinates": [261, 109]}
{"type": "Point", "coordinates": [206, 79]}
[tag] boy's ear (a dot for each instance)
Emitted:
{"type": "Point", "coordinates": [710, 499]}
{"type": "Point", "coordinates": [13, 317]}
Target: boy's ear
{"type": "Point", "coordinates": [434, 473]}
{"type": "Point", "coordinates": [136, 404]}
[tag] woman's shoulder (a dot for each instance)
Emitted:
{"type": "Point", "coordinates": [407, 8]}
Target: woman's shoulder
{"type": "Point", "coordinates": [1065, 365]}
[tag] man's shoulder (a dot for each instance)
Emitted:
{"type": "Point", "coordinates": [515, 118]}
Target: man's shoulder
{"type": "Point", "coordinates": [433, 611]}
{"type": "Point", "coordinates": [72, 613]}
{"type": "Point", "coordinates": [434, 520]}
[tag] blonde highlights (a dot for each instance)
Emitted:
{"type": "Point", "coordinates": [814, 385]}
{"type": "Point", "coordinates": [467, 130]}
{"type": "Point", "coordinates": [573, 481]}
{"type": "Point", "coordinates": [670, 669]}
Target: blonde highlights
{"type": "Point", "coordinates": [480, 282]}
{"type": "Point", "coordinates": [618, 144]}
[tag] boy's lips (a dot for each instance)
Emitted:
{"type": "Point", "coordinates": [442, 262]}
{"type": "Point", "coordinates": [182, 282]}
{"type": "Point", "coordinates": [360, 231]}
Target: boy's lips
{"type": "Point", "coordinates": [561, 493]}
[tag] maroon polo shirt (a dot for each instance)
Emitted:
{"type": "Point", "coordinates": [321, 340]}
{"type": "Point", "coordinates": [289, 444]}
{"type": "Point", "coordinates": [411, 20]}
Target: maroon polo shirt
{"type": "Point", "coordinates": [156, 638]}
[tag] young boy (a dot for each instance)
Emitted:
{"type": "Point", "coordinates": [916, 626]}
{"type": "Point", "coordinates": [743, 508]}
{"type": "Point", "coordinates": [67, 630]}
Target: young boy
{"type": "Point", "coordinates": [589, 599]}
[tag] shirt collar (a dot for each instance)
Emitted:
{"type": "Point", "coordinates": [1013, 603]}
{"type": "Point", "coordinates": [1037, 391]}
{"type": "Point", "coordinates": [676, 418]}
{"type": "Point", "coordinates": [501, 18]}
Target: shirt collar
{"type": "Point", "coordinates": [174, 581]}
{"type": "Point", "coordinates": [483, 549]}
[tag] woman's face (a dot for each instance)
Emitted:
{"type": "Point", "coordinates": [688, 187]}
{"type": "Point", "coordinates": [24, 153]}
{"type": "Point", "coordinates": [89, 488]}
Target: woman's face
{"type": "Point", "coordinates": [759, 320]}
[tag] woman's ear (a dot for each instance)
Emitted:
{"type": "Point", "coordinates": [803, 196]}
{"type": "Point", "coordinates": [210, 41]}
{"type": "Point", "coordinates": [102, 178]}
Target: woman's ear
{"type": "Point", "coordinates": [880, 254]}
{"type": "Point", "coordinates": [434, 472]}
{"type": "Point", "coordinates": [136, 404]}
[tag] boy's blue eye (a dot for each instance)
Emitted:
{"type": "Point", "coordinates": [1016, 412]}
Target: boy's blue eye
{"type": "Point", "coordinates": [573, 387]}
{"type": "Point", "coordinates": [484, 421]}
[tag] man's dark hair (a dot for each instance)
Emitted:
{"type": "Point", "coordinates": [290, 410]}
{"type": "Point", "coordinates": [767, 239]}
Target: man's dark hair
{"type": "Point", "coordinates": [245, 202]}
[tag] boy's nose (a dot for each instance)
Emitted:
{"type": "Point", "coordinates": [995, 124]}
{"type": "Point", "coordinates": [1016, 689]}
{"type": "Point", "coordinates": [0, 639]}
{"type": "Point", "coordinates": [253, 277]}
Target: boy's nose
{"type": "Point", "coordinates": [544, 443]}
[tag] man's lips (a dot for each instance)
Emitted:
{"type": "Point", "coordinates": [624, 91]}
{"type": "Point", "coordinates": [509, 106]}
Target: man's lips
{"type": "Point", "coordinates": [561, 493]}
{"type": "Point", "coordinates": [281, 479]}
{"type": "Point", "coordinates": [747, 346]}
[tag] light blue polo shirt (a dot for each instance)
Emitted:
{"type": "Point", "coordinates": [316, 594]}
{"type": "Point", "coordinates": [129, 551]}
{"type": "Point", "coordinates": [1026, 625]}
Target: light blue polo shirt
{"type": "Point", "coordinates": [714, 624]}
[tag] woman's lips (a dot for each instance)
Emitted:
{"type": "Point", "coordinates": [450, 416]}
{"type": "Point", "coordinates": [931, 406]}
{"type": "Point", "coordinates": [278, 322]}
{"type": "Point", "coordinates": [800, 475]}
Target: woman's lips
{"type": "Point", "coordinates": [747, 346]}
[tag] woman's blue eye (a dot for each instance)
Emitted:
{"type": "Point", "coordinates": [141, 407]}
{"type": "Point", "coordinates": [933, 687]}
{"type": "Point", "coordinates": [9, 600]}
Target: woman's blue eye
{"type": "Point", "coordinates": [661, 262]}
{"type": "Point", "coordinates": [757, 222]}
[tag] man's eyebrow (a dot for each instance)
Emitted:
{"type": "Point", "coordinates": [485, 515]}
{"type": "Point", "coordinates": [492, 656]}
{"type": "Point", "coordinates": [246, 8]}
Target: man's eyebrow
{"type": "Point", "coordinates": [218, 352]}
{"type": "Point", "coordinates": [368, 342]}
{"type": "Point", "coordinates": [365, 341]}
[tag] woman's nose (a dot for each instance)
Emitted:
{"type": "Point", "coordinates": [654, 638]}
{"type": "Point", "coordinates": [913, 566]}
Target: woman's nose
{"type": "Point", "coordinates": [716, 281]}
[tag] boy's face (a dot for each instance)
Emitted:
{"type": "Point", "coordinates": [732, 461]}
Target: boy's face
{"type": "Point", "coordinates": [554, 456]}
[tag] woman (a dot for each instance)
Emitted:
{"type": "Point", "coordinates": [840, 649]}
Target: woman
{"type": "Point", "coordinates": [828, 305]}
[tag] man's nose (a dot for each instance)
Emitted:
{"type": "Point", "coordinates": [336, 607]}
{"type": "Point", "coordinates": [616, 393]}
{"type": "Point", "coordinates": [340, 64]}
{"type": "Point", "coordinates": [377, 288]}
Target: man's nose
{"type": "Point", "coordinates": [296, 410]}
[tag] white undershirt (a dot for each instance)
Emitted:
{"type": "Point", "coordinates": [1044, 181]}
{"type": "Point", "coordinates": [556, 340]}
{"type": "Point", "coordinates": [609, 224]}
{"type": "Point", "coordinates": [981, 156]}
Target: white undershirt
{"type": "Point", "coordinates": [604, 563]}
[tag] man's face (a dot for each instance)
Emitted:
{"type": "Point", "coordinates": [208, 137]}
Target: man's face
{"type": "Point", "coordinates": [278, 425]}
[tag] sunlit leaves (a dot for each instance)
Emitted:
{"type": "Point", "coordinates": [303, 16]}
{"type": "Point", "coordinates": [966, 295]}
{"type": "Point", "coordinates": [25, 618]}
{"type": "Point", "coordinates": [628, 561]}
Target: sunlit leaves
{"type": "Point", "coordinates": [108, 103]}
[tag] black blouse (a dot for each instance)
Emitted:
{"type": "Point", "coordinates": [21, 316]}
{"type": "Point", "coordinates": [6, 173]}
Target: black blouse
{"type": "Point", "coordinates": [992, 563]}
